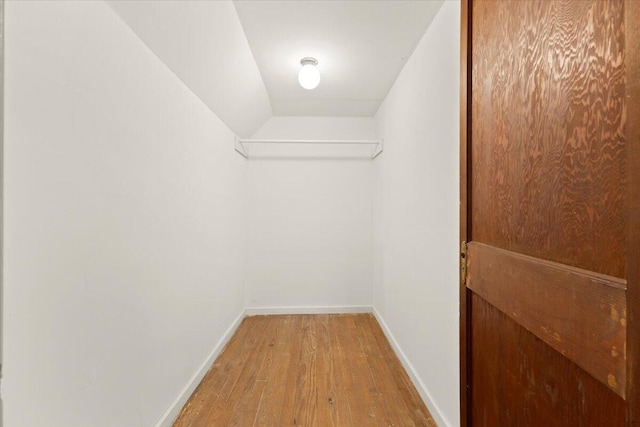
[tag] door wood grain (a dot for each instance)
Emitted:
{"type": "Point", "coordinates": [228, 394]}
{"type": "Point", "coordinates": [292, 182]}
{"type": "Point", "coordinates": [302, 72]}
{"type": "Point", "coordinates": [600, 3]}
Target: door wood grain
{"type": "Point", "coordinates": [550, 208]}
{"type": "Point", "coordinates": [632, 56]}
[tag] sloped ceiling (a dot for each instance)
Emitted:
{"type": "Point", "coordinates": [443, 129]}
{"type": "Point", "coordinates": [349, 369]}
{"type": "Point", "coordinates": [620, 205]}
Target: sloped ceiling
{"type": "Point", "coordinates": [204, 45]}
{"type": "Point", "coordinates": [242, 57]}
{"type": "Point", "coordinates": [361, 47]}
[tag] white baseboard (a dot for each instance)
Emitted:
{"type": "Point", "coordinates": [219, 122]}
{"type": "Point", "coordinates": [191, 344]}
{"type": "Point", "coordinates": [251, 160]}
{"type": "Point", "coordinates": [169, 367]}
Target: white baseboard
{"type": "Point", "coordinates": [254, 311]}
{"type": "Point", "coordinates": [435, 411]}
{"type": "Point", "coordinates": [171, 414]}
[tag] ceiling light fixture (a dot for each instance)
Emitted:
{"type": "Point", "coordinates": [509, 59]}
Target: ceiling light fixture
{"type": "Point", "coordinates": [309, 76]}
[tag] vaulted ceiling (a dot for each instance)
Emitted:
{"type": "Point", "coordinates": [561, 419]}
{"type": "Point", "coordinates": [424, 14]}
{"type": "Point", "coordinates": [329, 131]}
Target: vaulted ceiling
{"type": "Point", "coordinates": [361, 47]}
{"type": "Point", "coordinates": [242, 57]}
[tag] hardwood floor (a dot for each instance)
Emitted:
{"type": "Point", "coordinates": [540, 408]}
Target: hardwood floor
{"type": "Point", "coordinates": [306, 370]}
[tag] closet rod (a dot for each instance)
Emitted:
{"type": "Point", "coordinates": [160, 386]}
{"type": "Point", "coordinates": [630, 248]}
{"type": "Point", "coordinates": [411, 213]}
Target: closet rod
{"type": "Point", "coordinates": [309, 141]}
{"type": "Point", "coordinates": [240, 148]}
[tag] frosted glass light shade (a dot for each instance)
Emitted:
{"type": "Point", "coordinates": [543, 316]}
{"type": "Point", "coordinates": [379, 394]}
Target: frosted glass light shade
{"type": "Point", "coordinates": [309, 76]}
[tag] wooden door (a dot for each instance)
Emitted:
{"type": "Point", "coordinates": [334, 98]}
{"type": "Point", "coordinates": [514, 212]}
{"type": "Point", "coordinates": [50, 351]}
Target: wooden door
{"type": "Point", "coordinates": [550, 213]}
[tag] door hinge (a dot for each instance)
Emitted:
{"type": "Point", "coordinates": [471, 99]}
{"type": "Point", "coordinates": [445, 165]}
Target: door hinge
{"type": "Point", "coordinates": [463, 262]}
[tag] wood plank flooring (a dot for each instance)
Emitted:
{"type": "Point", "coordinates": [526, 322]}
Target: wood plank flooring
{"type": "Point", "coordinates": [306, 370]}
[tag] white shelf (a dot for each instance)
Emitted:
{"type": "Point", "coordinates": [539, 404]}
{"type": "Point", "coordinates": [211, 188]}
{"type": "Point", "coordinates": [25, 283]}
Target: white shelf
{"type": "Point", "coordinates": [378, 143]}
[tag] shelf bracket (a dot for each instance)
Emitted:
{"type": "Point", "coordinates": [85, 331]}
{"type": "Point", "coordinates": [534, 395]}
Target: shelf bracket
{"type": "Point", "coordinates": [378, 149]}
{"type": "Point", "coordinates": [240, 148]}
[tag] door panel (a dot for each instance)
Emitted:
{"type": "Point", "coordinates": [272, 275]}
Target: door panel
{"type": "Point", "coordinates": [580, 314]}
{"type": "Point", "coordinates": [544, 188]}
{"type": "Point", "coordinates": [547, 126]}
{"type": "Point", "coordinates": [518, 380]}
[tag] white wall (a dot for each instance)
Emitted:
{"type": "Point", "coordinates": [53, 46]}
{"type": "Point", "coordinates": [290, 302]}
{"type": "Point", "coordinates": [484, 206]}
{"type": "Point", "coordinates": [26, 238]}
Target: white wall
{"type": "Point", "coordinates": [123, 221]}
{"type": "Point", "coordinates": [416, 213]}
{"type": "Point", "coordinates": [309, 225]}
{"type": "Point", "coordinates": [132, 227]}
{"type": "Point", "coordinates": [289, 127]}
